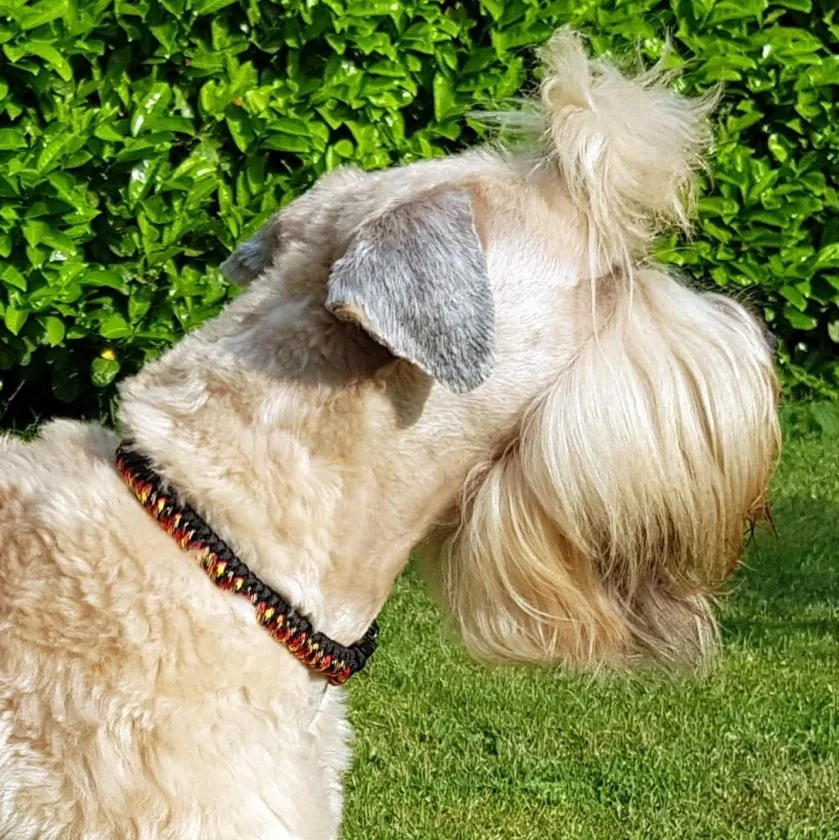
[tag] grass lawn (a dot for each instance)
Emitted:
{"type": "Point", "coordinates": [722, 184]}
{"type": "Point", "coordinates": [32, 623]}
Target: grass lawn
{"type": "Point", "coordinates": [447, 749]}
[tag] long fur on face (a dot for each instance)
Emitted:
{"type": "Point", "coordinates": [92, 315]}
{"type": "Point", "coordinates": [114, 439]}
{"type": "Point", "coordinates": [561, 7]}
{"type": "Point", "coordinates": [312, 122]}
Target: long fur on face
{"type": "Point", "coordinates": [602, 528]}
{"type": "Point", "coordinates": [599, 531]}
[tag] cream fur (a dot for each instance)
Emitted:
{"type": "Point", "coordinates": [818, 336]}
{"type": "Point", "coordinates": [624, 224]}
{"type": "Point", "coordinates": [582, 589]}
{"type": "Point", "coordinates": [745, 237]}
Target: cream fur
{"type": "Point", "coordinates": [620, 501]}
{"type": "Point", "coordinates": [599, 479]}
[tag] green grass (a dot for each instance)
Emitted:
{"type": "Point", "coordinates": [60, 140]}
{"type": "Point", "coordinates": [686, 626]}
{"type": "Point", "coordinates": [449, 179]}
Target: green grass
{"type": "Point", "coordinates": [447, 749]}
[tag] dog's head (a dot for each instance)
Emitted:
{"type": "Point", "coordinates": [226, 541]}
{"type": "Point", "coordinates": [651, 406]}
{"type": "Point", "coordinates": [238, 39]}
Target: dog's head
{"type": "Point", "coordinates": [618, 428]}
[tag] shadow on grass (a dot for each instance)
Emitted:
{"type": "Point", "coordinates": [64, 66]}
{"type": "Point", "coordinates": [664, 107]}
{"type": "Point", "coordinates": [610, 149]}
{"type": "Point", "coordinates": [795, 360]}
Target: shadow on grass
{"type": "Point", "coordinates": [789, 584]}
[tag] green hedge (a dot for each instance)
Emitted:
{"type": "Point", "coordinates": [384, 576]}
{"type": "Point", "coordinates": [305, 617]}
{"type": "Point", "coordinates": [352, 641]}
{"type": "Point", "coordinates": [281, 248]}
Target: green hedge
{"type": "Point", "coordinates": [140, 140]}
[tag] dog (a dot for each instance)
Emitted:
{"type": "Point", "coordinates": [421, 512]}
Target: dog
{"type": "Point", "coordinates": [475, 356]}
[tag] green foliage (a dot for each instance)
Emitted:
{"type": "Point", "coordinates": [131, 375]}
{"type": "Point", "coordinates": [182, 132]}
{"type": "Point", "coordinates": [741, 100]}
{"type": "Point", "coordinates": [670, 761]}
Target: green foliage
{"type": "Point", "coordinates": [810, 418]}
{"type": "Point", "coordinates": [140, 139]}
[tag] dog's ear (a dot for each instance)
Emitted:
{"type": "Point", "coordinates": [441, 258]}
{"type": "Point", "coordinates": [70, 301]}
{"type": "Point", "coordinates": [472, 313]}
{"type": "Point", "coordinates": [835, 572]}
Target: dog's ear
{"type": "Point", "coordinates": [252, 257]}
{"type": "Point", "coordinates": [415, 278]}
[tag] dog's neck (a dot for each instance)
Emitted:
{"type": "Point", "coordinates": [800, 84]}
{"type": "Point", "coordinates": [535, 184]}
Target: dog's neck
{"type": "Point", "coordinates": [321, 484]}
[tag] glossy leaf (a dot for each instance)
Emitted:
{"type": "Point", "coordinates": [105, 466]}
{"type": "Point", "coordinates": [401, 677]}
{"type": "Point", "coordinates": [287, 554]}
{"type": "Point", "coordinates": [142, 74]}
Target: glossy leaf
{"type": "Point", "coordinates": [14, 319]}
{"type": "Point", "coordinates": [53, 57]}
{"type": "Point", "coordinates": [103, 371]}
{"type": "Point", "coordinates": [54, 330]}
{"type": "Point", "coordinates": [11, 138]}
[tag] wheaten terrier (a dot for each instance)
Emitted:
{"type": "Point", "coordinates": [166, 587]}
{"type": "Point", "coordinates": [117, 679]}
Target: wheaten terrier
{"type": "Point", "coordinates": [473, 355]}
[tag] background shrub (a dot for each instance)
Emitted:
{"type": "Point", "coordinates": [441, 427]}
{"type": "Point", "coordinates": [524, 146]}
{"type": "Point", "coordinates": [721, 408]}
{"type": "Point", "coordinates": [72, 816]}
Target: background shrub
{"type": "Point", "coordinates": [140, 139]}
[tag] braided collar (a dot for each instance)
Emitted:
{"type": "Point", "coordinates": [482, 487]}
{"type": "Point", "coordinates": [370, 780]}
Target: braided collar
{"type": "Point", "coordinates": [282, 621]}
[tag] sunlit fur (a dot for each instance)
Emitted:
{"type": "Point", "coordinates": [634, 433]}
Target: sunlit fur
{"type": "Point", "coordinates": [586, 498]}
{"type": "Point", "coordinates": [600, 528]}
{"type": "Point", "coordinates": [627, 147]}
{"type": "Point", "coordinates": [619, 504]}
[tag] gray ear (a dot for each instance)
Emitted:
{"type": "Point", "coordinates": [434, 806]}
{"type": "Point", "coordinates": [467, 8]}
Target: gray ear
{"type": "Point", "coordinates": [252, 257]}
{"type": "Point", "coordinates": [415, 278]}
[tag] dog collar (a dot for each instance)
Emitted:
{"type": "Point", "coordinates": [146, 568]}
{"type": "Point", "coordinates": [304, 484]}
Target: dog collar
{"type": "Point", "coordinates": [282, 621]}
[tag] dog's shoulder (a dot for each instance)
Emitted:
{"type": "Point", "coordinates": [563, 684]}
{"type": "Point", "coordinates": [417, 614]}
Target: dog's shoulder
{"type": "Point", "coordinates": [55, 490]}
{"type": "Point", "coordinates": [62, 450]}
